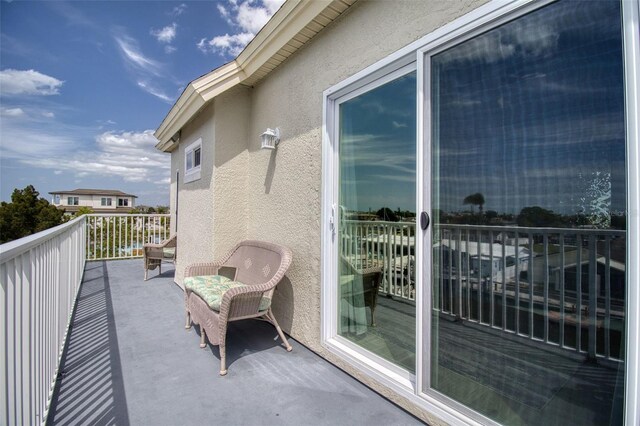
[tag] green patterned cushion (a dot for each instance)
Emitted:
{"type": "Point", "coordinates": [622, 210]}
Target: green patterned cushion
{"type": "Point", "coordinates": [211, 289]}
{"type": "Point", "coordinates": [169, 252]}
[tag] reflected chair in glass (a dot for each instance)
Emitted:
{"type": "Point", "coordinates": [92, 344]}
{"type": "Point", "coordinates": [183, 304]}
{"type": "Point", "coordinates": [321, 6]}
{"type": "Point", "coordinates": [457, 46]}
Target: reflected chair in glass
{"type": "Point", "coordinates": [238, 286]}
{"type": "Point", "coordinates": [155, 254]}
{"type": "Point", "coordinates": [352, 290]}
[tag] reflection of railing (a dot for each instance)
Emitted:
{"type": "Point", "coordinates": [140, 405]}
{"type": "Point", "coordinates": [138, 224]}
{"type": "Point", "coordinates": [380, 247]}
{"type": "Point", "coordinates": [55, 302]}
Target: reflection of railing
{"type": "Point", "coordinates": [390, 245]}
{"type": "Point", "coordinates": [121, 236]}
{"type": "Point", "coordinates": [563, 287]}
{"type": "Point", "coordinates": [557, 286]}
{"type": "Point", "coordinates": [39, 279]}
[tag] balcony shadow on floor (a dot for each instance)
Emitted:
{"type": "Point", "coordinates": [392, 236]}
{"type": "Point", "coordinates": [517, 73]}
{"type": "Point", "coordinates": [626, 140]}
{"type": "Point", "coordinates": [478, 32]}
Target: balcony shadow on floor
{"type": "Point", "coordinates": [91, 360]}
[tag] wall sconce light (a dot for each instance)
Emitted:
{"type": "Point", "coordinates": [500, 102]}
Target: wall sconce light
{"type": "Point", "coordinates": [270, 138]}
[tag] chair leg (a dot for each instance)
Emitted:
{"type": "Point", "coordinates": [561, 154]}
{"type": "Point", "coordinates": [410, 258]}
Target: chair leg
{"type": "Point", "coordinates": [223, 359]}
{"type": "Point", "coordinates": [145, 272]}
{"type": "Point", "coordinates": [188, 323]}
{"type": "Point", "coordinates": [222, 347]}
{"type": "Point", "coordinates": [272, 318]}
{"type": "Point", "coordinates": [203, 336]}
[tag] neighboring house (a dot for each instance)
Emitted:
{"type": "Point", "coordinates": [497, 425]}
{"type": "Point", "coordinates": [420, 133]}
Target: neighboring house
{"type": "Point", "coordinates": [99, 200]}
{"type": "Point", "coordinates": [414, 105]}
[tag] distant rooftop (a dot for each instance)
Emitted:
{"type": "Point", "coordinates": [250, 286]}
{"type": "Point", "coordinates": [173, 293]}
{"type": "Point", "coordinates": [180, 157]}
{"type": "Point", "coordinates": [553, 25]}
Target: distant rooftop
{"type": "Point", "coordinates": [94, 192]}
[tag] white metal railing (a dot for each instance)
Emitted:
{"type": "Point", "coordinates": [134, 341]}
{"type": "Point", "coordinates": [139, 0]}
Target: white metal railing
{"type": "Point", "coordinates": [122, 236]}
{"type": "Point", "coordinates": [560, 286]}
{"type": "Point", "coordinates": [40, 276]}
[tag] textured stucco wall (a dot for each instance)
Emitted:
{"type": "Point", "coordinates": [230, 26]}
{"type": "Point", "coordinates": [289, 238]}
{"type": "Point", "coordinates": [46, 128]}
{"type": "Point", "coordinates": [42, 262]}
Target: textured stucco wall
{"type": "Point", "coordinates": [284, 188]}
{"type": "Point", "coordinates": [233, 109]}
{"type": "Point", "coordinates": [276, 196]}
{"type": "Point", "coordinates": [195, 199]}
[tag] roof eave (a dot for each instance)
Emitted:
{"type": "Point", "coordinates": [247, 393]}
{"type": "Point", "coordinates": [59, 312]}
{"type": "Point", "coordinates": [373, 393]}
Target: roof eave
{"type": "Point", "coordinates": [289, 20]}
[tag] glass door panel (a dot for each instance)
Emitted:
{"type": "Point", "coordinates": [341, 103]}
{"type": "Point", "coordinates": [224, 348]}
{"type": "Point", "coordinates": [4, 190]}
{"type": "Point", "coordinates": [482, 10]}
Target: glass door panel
{"type": "Point", "coordinates": [376, 220]}
{"type": "Point", "coordinates": [529, 210]}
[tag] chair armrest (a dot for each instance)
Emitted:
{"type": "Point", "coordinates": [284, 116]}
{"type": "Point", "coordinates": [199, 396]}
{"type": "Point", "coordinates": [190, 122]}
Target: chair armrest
{"type": "Point", "coordinates": [232, 303]}
{"type": "Point", "coordinates": [153, 245]}
{"type": "Point", "coordinates": [197, 269]}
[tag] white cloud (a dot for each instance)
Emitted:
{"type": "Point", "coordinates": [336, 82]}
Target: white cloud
{"type": "Point", "coordinates": [48, 114]}
{"type": "Point", "coordinates": [147, 72]}
{"type": "Point", "coordinates": [398, 125]}
{"type": "Point", "coordinates": [28, 140]}
{"type": "Point", "coordinates": [29, 82]}
{"type": "Point", "coordinates": [178, 10]}
{"type": "Point", "coordinates": [248, 16]}
{"type": "Point", "coordinates": [11, 112]}
{"type": "Point", "coordinates": [169, 49]}
{"type": "Point", "coordinates": [154, 91]}
{"type": "Point", "coordinates": [226, 45]}
{"type": "Point", "coordinates": [57, 172]}
{"type": "Point", "coordinates": [129, 155]}
{"type": "Point", "coordinates": [166, 34]}
{"type": "Point", "coordinates": [134, 57]}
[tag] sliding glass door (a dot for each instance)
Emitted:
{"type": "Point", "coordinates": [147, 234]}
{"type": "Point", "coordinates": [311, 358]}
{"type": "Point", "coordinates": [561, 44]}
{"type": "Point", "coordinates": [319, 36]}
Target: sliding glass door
{"type": "Point", "coordinates": [477, 209]}
{"type": "Point", "coordinates": [528, 195]}
{"type": "Point", "coordinates": [376, 218]}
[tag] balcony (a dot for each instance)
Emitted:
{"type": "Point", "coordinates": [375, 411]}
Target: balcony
{"type": "Point", "coordinates": [87, 340]}
{"type": "Point", "coordinates": [124, 356]}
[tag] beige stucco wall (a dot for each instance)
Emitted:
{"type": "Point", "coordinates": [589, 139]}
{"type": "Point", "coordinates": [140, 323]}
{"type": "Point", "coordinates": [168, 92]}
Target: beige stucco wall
{"type": "Point", "coordinates": [195, 200]}
{"type": "Point", "coordinates": [276, 195]}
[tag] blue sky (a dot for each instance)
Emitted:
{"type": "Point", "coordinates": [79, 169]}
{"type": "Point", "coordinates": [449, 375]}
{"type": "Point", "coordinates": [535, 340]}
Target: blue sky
{"type": "Point", "coordinates": [83, 85]}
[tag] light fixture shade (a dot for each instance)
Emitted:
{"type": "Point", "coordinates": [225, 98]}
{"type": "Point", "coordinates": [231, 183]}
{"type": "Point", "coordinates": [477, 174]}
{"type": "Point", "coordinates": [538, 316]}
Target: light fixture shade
{"type": "Point", "coordinates": [270, 138]}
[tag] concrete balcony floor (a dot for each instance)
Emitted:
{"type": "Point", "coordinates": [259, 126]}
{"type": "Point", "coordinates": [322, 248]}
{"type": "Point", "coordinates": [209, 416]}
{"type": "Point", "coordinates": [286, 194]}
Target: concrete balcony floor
{"type": "Point", "coordinates": [129, 360]}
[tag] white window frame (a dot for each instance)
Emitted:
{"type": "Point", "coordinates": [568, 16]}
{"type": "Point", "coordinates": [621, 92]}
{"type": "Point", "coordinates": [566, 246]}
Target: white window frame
{"type": "Point", "coordinates": [490, 15]}
{"type": "Point", "coordinates": [193, 173]}
{"type": "Point", "coordinates": [123, 202]}
{"type": "Point", "coordinates": [75, 201]}
{"type": "Point", "coordinates": [106, 201]}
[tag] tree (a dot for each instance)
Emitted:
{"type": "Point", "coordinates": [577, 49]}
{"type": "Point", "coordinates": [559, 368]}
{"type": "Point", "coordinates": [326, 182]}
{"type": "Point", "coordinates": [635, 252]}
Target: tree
{"type": "Point", "coordinates": [162, 209]}
{"type": "Point", "coordinates": [538, 217]}
{"type": "Point", "coordinates": [476, 199]}
{"type": "Point", "coordinates": [26, 214]}
{"type": "Point", "coordinates": [83, 210]}
{"type": "Point", "coordinates": [387, 214]}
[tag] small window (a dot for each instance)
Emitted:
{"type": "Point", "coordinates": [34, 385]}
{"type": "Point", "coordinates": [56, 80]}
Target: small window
{"type": "Point", "coordinates": [105, 201]}
{"type": "Point", "coordinates": [123, 202]}
{"type": "Point", "coordinates": [56, 199]}
{"type": "Point", "coordinates": [192, 159]}
{"type": "Point", "coordinates": [72, 201]}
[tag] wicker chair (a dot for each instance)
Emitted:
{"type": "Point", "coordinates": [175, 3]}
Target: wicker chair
{"type": "Point", "coordinates": [155, 254]}
{"type": "Point", "coordinates": [259, 266]}
{"type": "Point", "coordinates": [369, 279]}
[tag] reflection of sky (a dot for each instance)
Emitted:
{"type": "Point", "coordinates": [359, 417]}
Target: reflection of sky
{"type": "Point", "coordinates": [532, 113]}
{"type": "Point", "coordinates": [528, 114]}
{"type": "Point", "coordinates": [377, 148]}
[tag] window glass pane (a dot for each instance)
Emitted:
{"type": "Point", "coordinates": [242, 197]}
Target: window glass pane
{"type": "Point", "coordinates": [196, 157]}
{"type": "Point", "coordinates": [376, 227]}
{"type": "Point", "coordinates": [529, 198]}
{"type": "Point", "coordinates": [189, 160]}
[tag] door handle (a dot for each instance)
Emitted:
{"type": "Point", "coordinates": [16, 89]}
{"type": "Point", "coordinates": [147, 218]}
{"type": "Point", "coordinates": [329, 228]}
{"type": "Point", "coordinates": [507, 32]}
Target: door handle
{"type": "Point", "coordinates": [424, 221]}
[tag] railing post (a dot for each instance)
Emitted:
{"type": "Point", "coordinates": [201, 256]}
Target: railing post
{"type": "Point", "coordinates": [593, 296]}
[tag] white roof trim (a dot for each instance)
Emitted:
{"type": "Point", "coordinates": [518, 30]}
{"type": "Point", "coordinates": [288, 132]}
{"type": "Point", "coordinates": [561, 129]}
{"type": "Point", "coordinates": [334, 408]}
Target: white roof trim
{"type": "Point", "coordinates": [284, 25]}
